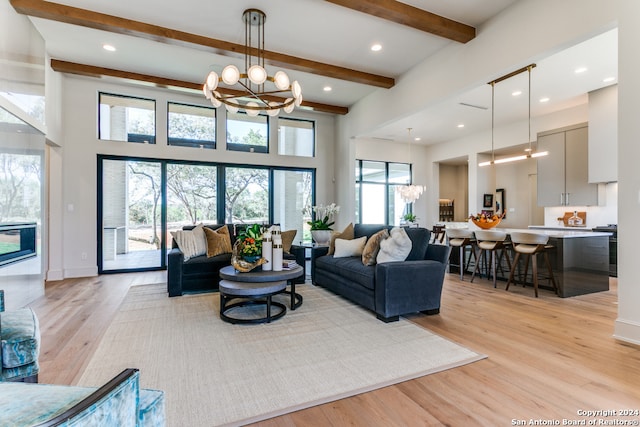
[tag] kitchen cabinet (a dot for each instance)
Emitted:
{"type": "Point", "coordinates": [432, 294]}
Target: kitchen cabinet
{"type": "Point", "coordinates": [563, 175]}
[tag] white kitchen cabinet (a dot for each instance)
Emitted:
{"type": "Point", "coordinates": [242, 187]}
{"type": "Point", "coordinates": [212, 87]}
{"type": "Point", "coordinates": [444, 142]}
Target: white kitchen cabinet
{"type": "Point", "coordinates": [563, 175]}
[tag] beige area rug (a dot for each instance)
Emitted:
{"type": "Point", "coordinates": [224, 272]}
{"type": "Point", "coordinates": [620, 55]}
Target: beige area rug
{"type": "Point", "coordinates": [215, 373]}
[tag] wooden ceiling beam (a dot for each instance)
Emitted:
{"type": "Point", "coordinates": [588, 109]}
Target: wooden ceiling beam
{"type": "Point", "coordinates": [413, 17]}
{"type": "Point", "coordinates": [90, 19]}
{"type": "Point", "coordinates": [93, 71]}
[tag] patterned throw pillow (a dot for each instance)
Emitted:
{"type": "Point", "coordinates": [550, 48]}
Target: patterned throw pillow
{"type": "Point", "coordinates": [396, 248]}
{"type": "Point", "coordinates": [372, 247]}
{"type": "Point", "coordinates": [346, 234]}
{"type": "Point", "coordinates": [218, 241]}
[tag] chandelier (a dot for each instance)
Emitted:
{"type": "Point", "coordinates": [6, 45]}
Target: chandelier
{"type": "Point", "coordinates": [410, 193]}
{"type": "Point", "coordinates": [250, 94]}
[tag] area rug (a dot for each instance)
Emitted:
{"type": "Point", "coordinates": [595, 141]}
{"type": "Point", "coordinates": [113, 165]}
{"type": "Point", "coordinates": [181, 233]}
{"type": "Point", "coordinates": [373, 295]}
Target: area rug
{"type": "Point", "coordinates": [215, 373]}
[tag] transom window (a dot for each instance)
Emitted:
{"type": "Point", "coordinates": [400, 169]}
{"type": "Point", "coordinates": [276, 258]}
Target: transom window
{"type": "Point", "coordinates": [125, 118]}
{"type": "Point", "coordinates": [246, 133]}
{"type": "Point", "coordinates": [296, 137]}
{"type": "Point", "coordinates": [191, 125]}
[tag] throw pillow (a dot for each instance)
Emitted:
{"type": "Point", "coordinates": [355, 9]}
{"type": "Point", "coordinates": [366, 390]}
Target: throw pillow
{"type": "Point", "coordinates": [287, 240]}
{"type": "Point", "coordinates": [348, 248]}
{"type": "Point", "coordinates": [396, 248]}
{"type": "Point", "coordinates": [200, 240]}
{"type": "Point", "coordinates": [372, 247]}
{"type": "Point", "coordinates": [346, 234]}
{"type": "Point", "coordinates": [218, 241]}
{"type": "Point", "coordinates": [186, 242]}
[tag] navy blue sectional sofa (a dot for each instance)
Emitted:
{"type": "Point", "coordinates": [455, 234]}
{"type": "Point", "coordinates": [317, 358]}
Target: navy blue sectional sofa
{"type": "Point", "coordinates": [202, 274]}
{"type": "Point", "coordinates": [389, 289]}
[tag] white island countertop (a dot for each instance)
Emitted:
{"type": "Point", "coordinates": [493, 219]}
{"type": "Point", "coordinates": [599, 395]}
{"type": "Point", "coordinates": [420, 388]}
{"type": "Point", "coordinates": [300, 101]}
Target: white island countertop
{"type": "Point", "coordinates": [560, 233]}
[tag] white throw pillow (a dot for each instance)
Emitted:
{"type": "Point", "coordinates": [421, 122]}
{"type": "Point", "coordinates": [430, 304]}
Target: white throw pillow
{"type": "Point", "coordinates": [186, 241]}
{"type": "Point", "coordinates": [347, 248]}
{"type": "Point", "coordinates": [200, 240]}
{"type": "Point", "coordinates": [394, 248]}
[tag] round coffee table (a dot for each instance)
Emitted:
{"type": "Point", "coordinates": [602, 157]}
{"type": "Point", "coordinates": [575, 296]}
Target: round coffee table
{"type": "Point", "coordinates": [251, 294]}
{"type": "Point", "coordinates": [259, 276]}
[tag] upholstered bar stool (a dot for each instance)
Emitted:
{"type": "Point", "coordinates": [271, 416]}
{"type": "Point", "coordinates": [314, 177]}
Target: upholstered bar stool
{"type": "Point", "coordinates": [530, 245]}
{"type": "Point", "coordinates": [461, 238]}
{"type": "Point", "coordinates": [495, 243]}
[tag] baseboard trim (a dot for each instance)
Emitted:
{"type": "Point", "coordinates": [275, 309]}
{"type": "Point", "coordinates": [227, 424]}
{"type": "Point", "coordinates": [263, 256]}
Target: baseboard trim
{"type": "Point", "coordinates": [627, 330]}
{"type": "Point", "coordinates": [80, 272]}
{"type": "Point", "coordinates": [53, 275]}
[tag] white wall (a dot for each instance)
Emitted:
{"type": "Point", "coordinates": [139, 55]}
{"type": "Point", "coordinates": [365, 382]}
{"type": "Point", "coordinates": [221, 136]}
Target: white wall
{"type": "Point", "coordinates": [76, 179]}
{"type": "Point", "coordinates": [627, 325]}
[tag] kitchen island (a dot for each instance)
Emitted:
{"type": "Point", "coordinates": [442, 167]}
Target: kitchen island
{"type": "Point", "coordinates": [579, 260]}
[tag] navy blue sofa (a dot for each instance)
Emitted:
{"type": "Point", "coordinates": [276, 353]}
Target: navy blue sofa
{"type": "Point", "coordinates": [389, 289]}
{"type": "Point", "coordinates": [202, 274]}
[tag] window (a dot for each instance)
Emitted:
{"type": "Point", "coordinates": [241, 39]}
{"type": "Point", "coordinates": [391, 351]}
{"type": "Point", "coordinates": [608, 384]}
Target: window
{"type": "Point", "coordinates": [125, 118]}
{"type": "Point", "coordinates": [376, 199]}
{"type": "Point", "coordinates": [292, 195]}
{"type": "Point", "coordinates": [246, 133]}
{"type": "Point", "coordinates": [296, 137]}
{"type": "Point", "coordinates": [246, 195]}
{"type": "Point", "coordinates": [191, 126]}
{"type": "Point", "coordinates": [141, 201]}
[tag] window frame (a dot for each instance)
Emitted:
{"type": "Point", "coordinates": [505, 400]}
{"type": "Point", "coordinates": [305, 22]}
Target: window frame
{"type": "Point", "coordinates": [135, 138]}
{"type": "Point", "coordinates": [187, 142]}
{"type": "Point", "coordinates": [248, 148]}
{"type": "Point", "coordinates": [359, 181]}
{"type": "Point", "coordinates": [313, 130]}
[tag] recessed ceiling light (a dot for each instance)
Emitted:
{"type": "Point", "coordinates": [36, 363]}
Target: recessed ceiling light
{"type": "Point", "coordinates": [608, 79]}
{"type": "Point", "coordinates": [327, 88]}
{"type": "Point", "coordinates": [544, 99]}
{"type": "Point", "coordinates": [580, 70]}
{"type": "Point", "coordinates": [417, 138]}
{"type": "Point", "coordinates": [109, 47]}
{"type": "Point", "coordinates": [461, 125]}
{"type": "Point", "coordinates": [516, 93]}
{"type": "Point", "coordinates": [376, 47]}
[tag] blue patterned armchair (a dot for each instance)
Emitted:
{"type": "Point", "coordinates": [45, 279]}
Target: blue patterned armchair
{"type": "Point", "coordinates": [19, 344]}
{"type": "Point", "coordinates": [120, 402]}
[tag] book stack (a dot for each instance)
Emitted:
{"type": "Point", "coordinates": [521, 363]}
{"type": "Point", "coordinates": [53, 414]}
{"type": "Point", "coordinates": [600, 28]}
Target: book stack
{"type": "Point", "coordinates": [289, 263]}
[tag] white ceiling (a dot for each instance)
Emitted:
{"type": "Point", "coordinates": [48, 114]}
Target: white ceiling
{"type": "Point", "coordinates": [321, 31]}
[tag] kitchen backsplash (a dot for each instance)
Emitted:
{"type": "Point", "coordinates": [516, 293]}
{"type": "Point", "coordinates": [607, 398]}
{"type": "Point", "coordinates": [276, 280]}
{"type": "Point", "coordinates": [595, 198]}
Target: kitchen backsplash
{"type": "Point", "coordinates": [596, 215]}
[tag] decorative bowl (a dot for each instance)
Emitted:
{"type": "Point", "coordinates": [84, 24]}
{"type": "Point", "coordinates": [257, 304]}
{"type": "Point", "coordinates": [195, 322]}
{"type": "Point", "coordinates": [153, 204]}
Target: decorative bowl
{"type": "Point", "coordinates": [485, 222]}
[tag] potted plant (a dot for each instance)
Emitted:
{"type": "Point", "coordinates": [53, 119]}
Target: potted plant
{"type": "Point", "coordinates": [321, 226]}
{"type": "Point", "coordinates": [410, 217]}
{"type": "Point", "coordinates": [250, 246]}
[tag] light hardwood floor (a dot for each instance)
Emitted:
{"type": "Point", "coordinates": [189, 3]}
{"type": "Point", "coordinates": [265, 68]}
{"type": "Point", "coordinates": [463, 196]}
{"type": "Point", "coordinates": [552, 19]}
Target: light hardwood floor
{"type": "Point", "coordinates": [548, 358]}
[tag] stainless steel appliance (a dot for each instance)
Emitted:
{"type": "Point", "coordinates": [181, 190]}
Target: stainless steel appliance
{"type": "Point", "coordinates": [613, 246]}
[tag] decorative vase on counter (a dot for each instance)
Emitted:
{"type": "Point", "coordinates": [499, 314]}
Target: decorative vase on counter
{"type": "Point", "coordinates": [321, 237]}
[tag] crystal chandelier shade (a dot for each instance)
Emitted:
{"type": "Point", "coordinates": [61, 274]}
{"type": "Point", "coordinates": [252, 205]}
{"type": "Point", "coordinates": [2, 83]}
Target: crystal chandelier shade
{"type": "Point", "coordinates": [249, 92]}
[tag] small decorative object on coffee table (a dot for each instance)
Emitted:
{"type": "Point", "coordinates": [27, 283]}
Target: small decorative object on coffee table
{"type": "Point", "coordinates": [247, 250]}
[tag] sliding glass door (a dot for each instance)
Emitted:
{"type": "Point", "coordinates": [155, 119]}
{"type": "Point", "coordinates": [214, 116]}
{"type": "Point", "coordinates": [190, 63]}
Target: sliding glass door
{"type": "Point", "coordinates": [142, 200]}
{"type": "Point", "coordinates": [132, 209]}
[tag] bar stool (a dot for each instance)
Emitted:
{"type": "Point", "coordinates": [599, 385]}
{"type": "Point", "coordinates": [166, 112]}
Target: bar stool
{"type": "Point", "coordinates": [530, 245]}
{"type": "Point", "coordinates": [438, 234]}
{"type": "Point", "coordinates": [491, 242]}
{"type": "Point", "coordinates": [461, 238]}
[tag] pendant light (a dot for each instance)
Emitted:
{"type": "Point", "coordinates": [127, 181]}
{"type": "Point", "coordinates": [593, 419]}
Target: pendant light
{"type": "Point", "coordinates": [529, 151]}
